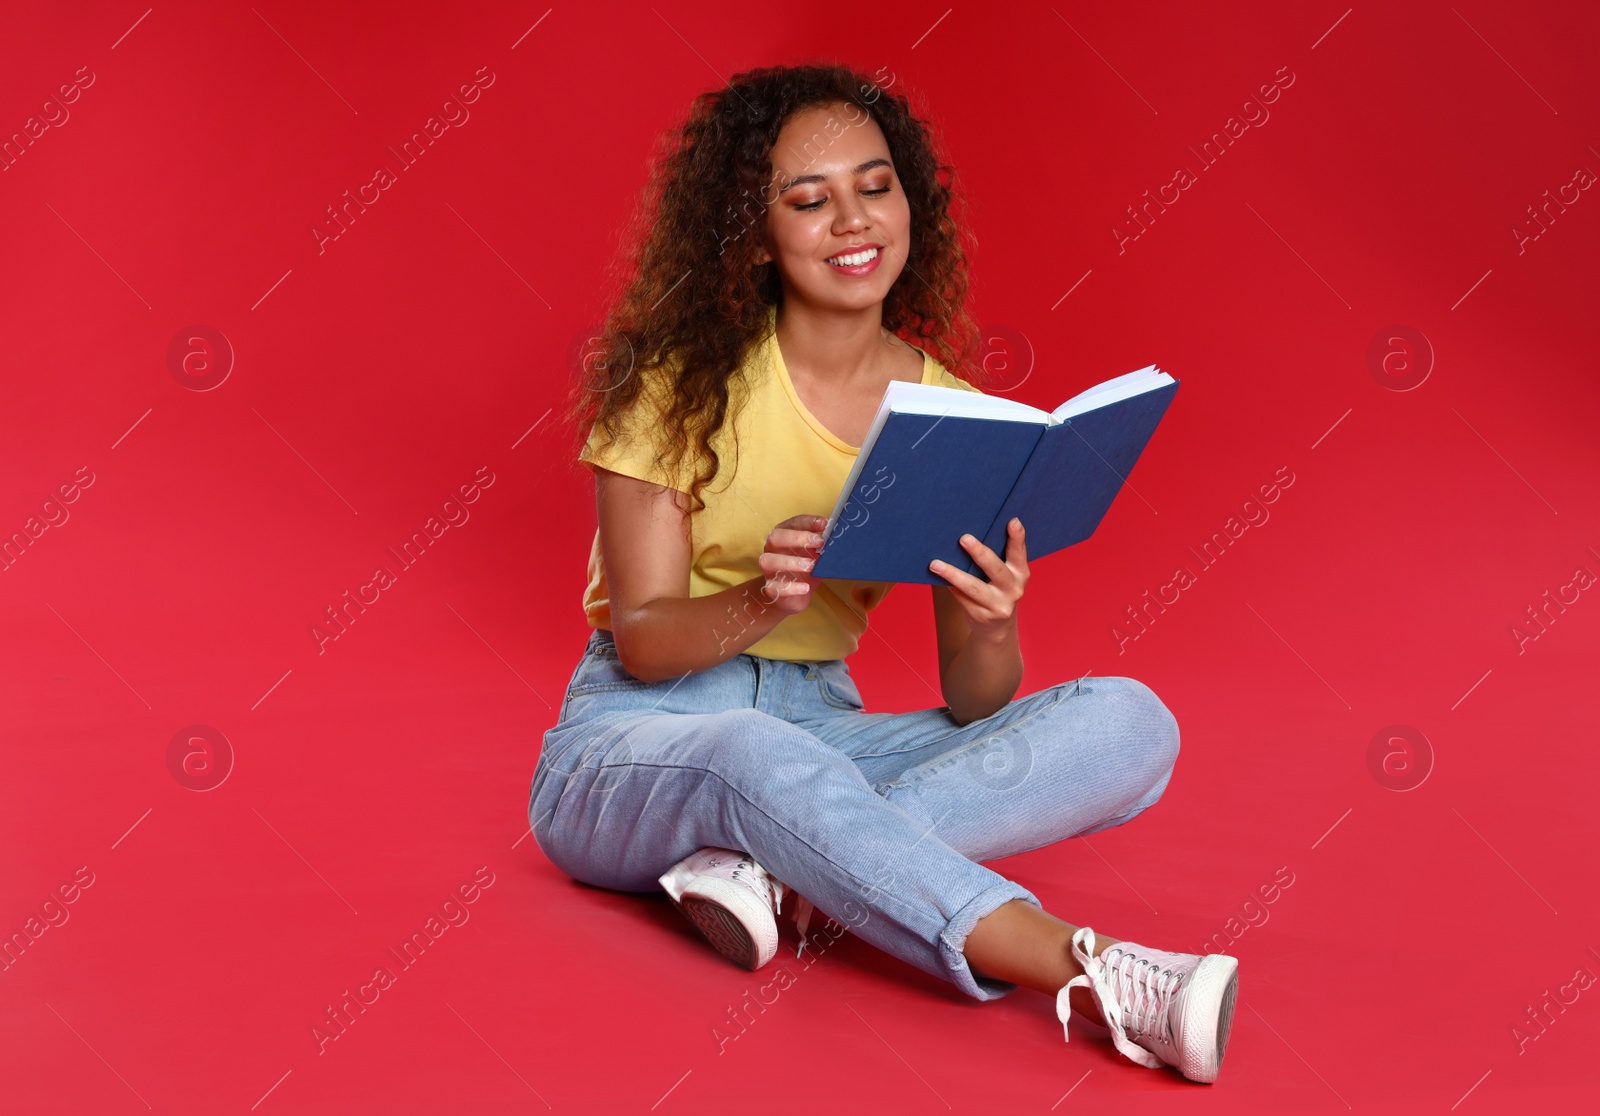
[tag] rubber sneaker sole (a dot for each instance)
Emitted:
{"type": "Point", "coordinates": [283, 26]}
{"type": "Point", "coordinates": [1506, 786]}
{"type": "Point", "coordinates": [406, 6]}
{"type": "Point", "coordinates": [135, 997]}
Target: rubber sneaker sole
{"type": "Point", "coordinates": [722, 929]}
{"type": "Point", "coordinates": [1208, 1016]}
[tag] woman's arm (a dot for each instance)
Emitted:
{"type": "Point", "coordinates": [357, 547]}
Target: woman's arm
{"type": "Point", "coordinates": [980, 660]}
{"type": "Point", "coordinates": [645, 548]}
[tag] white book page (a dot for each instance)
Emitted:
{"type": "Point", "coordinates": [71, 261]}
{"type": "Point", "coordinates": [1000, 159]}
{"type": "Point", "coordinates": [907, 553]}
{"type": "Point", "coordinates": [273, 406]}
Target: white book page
{"type": "Point", "coordinates": [1118, 387]}
{"type": "Point", "coordinates": [932, 399]}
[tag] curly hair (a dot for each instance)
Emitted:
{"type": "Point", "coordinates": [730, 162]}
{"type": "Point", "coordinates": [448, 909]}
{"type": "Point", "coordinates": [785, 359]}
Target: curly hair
{"type": "Point", "coordinates": [691, 298]}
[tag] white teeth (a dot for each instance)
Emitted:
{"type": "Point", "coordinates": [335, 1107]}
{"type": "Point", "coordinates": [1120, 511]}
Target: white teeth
{"type": "Point", "coordinates": [855, 259]}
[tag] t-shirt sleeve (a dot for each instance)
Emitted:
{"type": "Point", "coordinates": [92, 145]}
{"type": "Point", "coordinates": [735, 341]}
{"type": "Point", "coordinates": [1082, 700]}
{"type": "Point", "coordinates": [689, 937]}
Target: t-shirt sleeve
{"type": "Point", "coordinates": [946, 378]}
{"type": "Point", "coordinates": [632, 452]}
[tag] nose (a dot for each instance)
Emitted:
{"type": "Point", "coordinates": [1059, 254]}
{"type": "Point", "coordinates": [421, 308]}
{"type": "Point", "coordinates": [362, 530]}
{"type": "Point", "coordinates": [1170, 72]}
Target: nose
{"type": "Point", "coordinates": [852, 218]}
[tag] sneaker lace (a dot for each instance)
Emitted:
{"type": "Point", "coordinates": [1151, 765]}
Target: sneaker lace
{"type": "Point", "coordinates": [1133, 994]}
{"type": "Point", "coordinates": [802, 909]}
{"type": "Point", "coordinates": [748, 868]}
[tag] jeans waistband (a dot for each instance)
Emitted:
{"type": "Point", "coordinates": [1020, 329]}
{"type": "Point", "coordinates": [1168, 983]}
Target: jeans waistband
{"type": "Point", "coordinates": [790, 689]}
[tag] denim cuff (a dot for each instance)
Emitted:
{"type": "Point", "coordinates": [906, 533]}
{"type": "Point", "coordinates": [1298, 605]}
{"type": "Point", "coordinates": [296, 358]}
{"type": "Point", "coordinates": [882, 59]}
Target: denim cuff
{"type": "Point", "coordinates": [953, 939]}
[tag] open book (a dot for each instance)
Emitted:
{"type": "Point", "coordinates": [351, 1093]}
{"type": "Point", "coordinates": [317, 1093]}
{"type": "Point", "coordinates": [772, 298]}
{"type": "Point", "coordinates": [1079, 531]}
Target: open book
{"type": "Point", "coordinates": [940, 462]}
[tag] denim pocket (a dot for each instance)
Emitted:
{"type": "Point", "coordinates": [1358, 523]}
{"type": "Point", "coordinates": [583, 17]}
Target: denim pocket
{"type": "Point", "coordinates": [835, 685]}
{"type": "Point", "coordinates": [600, 670]}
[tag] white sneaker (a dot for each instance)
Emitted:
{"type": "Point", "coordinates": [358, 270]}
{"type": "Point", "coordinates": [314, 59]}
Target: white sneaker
{"type": "Point", "coordinates": [732, 900]}
{"type": "Point", "coordinates": [1161, 1008]}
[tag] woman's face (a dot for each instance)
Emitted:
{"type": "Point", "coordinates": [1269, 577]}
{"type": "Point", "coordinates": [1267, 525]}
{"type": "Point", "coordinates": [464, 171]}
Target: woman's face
{"type": "Point", "coordinates": [834, 192]}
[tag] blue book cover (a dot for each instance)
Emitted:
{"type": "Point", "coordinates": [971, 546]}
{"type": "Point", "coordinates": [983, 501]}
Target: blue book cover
{"type": "Point", "coordinates": [940, 462]}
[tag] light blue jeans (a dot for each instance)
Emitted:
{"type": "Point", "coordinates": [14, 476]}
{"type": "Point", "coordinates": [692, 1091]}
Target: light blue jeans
{"type": "Point", "coordinates": [879, 819]}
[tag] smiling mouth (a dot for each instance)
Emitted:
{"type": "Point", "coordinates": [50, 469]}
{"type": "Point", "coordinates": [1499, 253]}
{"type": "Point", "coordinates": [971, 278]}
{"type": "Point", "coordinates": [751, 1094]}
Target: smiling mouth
{"type": "Point", "coordinates": [854, 259]}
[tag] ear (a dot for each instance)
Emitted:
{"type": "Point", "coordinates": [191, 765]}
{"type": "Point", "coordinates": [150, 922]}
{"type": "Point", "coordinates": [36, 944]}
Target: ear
{"type": "Point", "coordinates": [762, 255]}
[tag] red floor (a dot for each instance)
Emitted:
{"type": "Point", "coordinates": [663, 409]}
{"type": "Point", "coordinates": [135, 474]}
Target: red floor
{"type": "Point", "coordinates": [178, 943]}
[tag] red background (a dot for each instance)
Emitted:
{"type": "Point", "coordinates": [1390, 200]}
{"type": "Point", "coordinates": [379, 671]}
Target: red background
{"type": "Point", "coordinates": [373, 378]}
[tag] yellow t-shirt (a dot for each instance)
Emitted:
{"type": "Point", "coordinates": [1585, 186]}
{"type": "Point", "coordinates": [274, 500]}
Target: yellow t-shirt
{"type": "Point", "coordinates": [788, 464]}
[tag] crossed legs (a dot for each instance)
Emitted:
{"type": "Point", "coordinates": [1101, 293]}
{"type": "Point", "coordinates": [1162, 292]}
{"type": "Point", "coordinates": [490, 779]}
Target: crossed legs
{"type": "Point", "coordinates": [893, 858]}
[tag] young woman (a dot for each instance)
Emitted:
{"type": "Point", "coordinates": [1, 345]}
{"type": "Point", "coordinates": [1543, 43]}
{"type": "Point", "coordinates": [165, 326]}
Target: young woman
{"type": "Point", "coordinates": [712, 742]}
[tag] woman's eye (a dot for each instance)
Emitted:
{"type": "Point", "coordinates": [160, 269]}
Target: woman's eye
{"type": "Point", "coordinates": [871, 192]}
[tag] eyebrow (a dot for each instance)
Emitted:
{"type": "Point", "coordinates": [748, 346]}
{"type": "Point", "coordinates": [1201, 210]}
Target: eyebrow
{"type": "Point", "coordinates": [863, 168]}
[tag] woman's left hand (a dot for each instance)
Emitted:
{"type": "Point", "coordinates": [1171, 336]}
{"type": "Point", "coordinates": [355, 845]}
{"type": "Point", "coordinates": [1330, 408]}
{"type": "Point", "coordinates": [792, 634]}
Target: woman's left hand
{"type": "Point", "coordinates": [990, 605]}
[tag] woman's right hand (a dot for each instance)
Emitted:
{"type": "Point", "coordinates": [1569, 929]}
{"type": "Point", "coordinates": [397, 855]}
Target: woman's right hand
{"type": "Point", "coordinates": [786, 561]}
